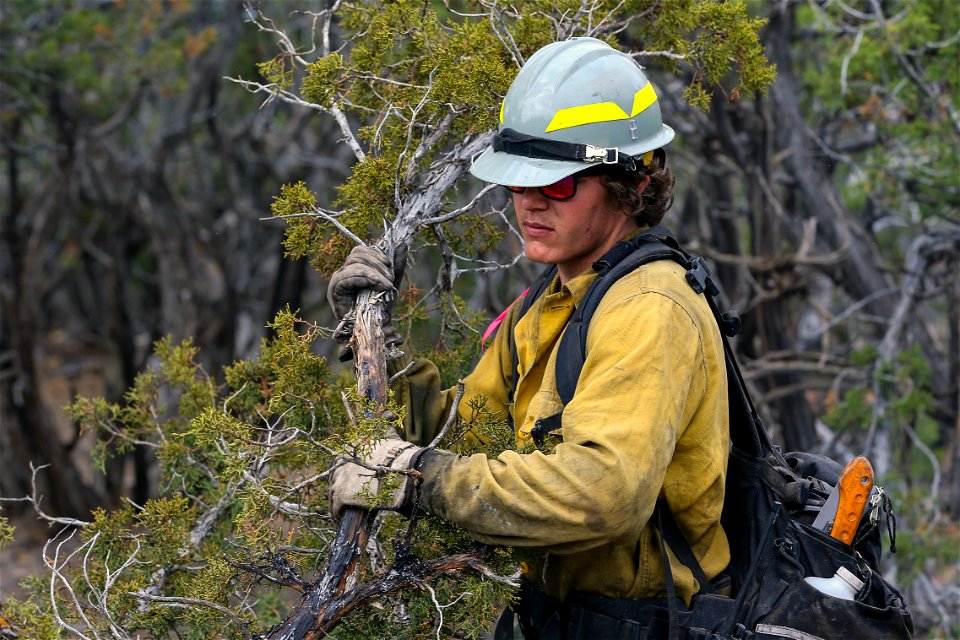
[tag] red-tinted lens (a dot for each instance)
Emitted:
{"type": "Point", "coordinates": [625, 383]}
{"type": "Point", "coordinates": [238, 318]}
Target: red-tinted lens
{"type": "Point", "coordinates": [562, 189]}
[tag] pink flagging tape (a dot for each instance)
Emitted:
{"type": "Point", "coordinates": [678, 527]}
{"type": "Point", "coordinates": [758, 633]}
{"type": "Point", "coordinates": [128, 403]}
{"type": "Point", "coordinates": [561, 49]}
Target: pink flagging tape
{"type": "Point", "coordinates": [499, 320]}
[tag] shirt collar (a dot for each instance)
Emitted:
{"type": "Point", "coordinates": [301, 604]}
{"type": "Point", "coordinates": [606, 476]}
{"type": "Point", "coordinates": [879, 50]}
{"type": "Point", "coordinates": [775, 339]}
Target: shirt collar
{"type": "Point", "coordinates": [578, 286]}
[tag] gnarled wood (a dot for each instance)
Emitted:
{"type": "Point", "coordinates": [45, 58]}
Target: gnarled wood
{"type": "Point", "coordinates": [321, 607]}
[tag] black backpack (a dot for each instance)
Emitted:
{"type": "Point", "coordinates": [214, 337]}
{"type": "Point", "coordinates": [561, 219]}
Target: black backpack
{"type": "Point", "coordinates": [771, 501]}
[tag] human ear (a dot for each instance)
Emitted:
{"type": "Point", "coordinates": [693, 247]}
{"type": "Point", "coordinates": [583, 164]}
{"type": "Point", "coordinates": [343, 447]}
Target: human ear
{"type": "Point", "coordinates": [643, 183]}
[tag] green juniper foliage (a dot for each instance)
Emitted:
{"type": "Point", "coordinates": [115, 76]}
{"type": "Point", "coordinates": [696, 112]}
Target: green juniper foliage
{"type": "Point", "coordinates": [240, 525]}
{"type": "Point", "coordinates": [887, 72]}
{"type": "Point", "coordinates": [6, 532]}
{"type": "Point", "coordinates": [411, 73]}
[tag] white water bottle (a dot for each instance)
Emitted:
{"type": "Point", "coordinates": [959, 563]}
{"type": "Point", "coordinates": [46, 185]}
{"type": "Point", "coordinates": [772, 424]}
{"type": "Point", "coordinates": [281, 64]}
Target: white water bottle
{"type": "Point", "coordinates": [844, 584]}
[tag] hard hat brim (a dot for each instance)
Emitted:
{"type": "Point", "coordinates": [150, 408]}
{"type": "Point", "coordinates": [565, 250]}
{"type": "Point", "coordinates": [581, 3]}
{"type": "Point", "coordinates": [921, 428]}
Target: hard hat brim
{"type": "Point", "coordinates": [500, 167]}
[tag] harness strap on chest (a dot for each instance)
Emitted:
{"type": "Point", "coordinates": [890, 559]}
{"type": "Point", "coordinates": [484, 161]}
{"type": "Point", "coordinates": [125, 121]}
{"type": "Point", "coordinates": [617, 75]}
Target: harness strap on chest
{"type": "Point", "coordinates": [657, 243]}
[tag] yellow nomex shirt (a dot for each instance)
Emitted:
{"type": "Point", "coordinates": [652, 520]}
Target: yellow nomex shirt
{"type": "Point", "coordinates": [649, 418]}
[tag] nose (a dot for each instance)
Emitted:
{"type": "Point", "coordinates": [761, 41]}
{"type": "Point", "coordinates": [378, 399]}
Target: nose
{"type": "Point", "coordinates": [530, 200]}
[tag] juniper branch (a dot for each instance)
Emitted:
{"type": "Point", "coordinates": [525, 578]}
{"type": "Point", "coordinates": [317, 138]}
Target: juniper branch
{"type": "Point", "coordinates": [55, 567]}
{"type": "Point", "coordinates": [35, 499]}
{"type": "Point", "coordinates": [186, 603]}
{"type": "Point", "coordinates": [274, 91]}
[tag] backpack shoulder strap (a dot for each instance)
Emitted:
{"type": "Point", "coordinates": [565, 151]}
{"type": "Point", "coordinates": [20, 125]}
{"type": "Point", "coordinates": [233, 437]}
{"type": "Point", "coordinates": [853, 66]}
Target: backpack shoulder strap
{"type": "Point", "coordinates": [746, 428]}
{"type": "Point", "coordinates": [651, 245]}
{"type": "Point", "coordinates": [656, 243]}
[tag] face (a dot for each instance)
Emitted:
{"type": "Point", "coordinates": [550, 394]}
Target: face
{"type": "Point", "coordinates": [572, 233]}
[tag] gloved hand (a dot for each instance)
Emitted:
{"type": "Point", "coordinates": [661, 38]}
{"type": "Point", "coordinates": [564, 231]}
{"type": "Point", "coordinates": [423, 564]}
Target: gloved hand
{"type": "Point", "coordinates": [367, 267]}
{"type": "Point", "coordinates": [353, 485]}
{"type": "Point", "coordinates": [364, 268]}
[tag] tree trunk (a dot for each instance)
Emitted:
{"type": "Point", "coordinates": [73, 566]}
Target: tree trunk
{"type": "Point", "coordinates": [35, 438]}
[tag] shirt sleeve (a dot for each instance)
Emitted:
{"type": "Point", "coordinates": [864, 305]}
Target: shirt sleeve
{"type": "Point", "coordinates": [428, 406]}
{"type": "Point", "coordinates": [641, 381]}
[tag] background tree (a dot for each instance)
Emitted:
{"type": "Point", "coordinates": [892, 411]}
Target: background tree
{"type": "Point", "coordinates": [134, 179]}
{"type": "Point", "coordinates": [829, 208]}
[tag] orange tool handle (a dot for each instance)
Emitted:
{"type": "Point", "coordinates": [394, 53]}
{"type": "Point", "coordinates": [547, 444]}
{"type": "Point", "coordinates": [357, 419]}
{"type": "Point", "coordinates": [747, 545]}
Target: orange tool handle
{"type": "Point", "coordinates": [855, 485]}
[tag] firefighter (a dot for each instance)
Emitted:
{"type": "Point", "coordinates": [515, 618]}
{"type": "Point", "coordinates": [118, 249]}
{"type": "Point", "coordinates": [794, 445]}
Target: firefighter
{"type": "Point", "coordinates": [580, 149]}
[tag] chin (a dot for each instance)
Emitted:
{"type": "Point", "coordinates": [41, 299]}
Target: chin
{"type": "Point", "coordinates": [538, 256]}
{"type": "Point", "coordinates": [538, 251]}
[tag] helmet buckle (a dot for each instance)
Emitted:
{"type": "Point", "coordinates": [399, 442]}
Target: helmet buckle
{"type": "Point", "coordinates": [606, 156]}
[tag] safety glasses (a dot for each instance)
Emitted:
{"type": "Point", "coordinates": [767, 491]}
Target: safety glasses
{"type": "Point", "coordinates": [562, 189]}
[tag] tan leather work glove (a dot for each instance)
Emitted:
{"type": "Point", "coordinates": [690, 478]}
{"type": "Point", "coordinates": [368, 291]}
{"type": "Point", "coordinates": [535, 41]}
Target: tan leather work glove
{"type": "Point", "coordinates": [367, 267]}
{"type": "Point", "coordinates": [353, 485]}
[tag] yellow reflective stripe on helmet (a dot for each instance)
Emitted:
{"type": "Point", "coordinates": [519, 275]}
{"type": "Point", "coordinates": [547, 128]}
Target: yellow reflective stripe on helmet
{"type": "Point", "coordinates": [501, 110]}
{"type": "Point", "coordinates": [585, 114]}
{"type": "Point", "coordinates": [643, 99]}
{"type": "Point", "coordinates": [599, 111]}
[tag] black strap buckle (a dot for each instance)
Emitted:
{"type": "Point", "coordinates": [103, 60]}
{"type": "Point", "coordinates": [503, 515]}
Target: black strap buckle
{"type": "Point", "coordinates": [699, 277]}
{"type": "Point", "coordinates": [544, 426]}
{"type": "Point", "coordinates": [730, 323]}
